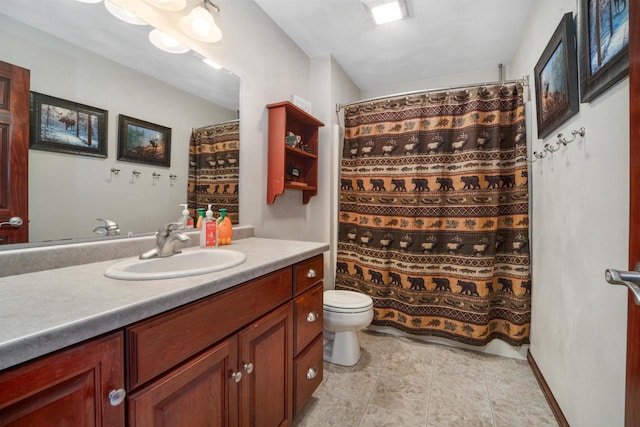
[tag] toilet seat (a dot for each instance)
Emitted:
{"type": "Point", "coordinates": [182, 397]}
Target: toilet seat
{"type": "Point", "coordinates": [339, 301]}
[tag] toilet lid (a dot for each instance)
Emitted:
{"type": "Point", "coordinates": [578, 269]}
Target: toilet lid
{"type": "Point", "coordinates": [349, 300]}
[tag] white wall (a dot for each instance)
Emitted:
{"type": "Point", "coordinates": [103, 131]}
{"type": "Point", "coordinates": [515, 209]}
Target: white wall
{"type": "Point", "coordinates": [331, 86]}
{"type": "Point", "coordinates": [579, 225]}
{"type": "Point", "coordinates": [68, 192]}
{"type": "Point", "coordinates": [464, 78]}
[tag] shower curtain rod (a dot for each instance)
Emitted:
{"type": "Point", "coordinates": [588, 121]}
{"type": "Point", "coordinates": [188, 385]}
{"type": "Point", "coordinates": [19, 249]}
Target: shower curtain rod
{"type": "Point", "coordinates": [217, 124]}
{"type": "Point", "coordinates": [524, 81]}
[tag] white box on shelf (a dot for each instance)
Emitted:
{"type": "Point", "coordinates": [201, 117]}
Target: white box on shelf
{"type": "Point", "coordinates": [302, 103]}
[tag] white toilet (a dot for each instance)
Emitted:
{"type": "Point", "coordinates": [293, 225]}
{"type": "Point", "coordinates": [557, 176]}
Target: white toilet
{"type": "Point", "coordinates": [345, 313]}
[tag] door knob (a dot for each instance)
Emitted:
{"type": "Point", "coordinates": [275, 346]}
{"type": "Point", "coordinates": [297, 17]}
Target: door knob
{"type": "Point", "coordinates": [630, 279]}
{"type": "Point", "coordinates": [14, 221]}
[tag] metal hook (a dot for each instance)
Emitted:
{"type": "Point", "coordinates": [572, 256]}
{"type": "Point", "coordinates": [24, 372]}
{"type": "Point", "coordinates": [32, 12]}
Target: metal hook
{"type": "Point", "coordinates": [172, 176]}
{"type": "Point", "coordinates": [155, 175]}
{"type": "Point", "coordinates": [574, 133]}
{"type": "Point", "coordinates": [548, 147]}
{"type": "Point", "coordinates": [135, 173]}
{"type": "Point", "coordinates": [540, 155]}
{"type": "Point", "coordinates": [115, 171]}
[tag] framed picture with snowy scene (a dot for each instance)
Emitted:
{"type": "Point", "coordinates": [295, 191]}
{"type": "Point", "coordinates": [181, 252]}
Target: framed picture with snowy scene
{"type": "Point", "coordinates": [143, 142]}
{"type": "Point", "coordinates": [603, 39]}
{"type": "Point", "coordinates": [67, 127]}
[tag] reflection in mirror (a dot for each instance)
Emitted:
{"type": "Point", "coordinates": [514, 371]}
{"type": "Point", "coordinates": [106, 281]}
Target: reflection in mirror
{"type": "Point", "coordinates": [214, 166]}
{"type": "Point", "coordinates": [80, 53]}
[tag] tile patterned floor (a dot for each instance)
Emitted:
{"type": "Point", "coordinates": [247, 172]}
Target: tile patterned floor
{"type": "Point", "coordinates": [402, 382]}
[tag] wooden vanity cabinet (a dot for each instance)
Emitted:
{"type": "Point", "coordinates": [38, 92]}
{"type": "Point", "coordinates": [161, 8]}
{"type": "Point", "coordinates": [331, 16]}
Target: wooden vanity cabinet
{"type": "Point", "coordinates": [71, 387]}
{"type": "Point", "coordinates": [308, 291]}
{"type": "Point", "coordinates": [227, 359]}
{"type": "Point", "coordinates": [266, 356]}
{"type": "Point", "coordinates": [247, 356]}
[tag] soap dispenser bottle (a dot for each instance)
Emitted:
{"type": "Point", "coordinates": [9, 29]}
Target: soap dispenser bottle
{"type": "Point", "coordinates": [225, 229]}
{"type": "Point", "coordinates": [208, 232]}
{"type": "Point", "coordinates": [185, 220]}
{"type": "Point", "coordinates": [200, 218]}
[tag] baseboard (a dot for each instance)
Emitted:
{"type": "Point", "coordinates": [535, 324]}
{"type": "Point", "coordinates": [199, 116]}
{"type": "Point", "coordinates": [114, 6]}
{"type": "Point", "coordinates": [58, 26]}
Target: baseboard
{"type": "Point", "coordinates": [555, 408]}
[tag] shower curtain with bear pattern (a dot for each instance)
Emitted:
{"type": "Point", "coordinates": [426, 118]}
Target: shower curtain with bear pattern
{"type": "Point", "coordinates": [214, 168]}
{"type": "Point", "coordinates": [433, 221]}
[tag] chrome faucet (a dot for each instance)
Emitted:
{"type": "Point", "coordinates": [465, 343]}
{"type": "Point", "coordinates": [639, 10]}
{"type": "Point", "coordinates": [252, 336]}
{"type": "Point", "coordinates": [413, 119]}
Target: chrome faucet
{"type": "Point", "coordinates": [166, 239]}
{"type": "Point", "coordinates": [109, 228]}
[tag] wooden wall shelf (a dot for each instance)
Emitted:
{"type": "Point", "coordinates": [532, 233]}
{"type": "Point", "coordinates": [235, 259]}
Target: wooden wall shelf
{"type": "Point", "coordinates": [285, 117]}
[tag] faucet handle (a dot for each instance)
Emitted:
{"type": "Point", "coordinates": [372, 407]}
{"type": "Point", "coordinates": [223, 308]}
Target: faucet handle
{"type": "Point", "coordinates": [108, 223]}
{"type": "Point", "coordinates": [169, 228]}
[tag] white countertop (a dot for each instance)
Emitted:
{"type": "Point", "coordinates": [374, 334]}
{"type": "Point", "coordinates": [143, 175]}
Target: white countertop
{"type": "Point", "coordinates": [48, 310]}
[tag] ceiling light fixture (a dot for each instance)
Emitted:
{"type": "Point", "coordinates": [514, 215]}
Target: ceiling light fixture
{"type": "Point", "coordinates": [123, 14]}
{"type": "Point", "coordinates": [384, 11]}
{"type": "Point", "coordinates": [170, 5]}
{"type": "Point", "coordinates": [167, 43]}
{"type": "Point", "coordinates": [199, 23]}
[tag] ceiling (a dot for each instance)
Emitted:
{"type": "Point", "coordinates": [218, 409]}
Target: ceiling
{"type": "Point", "coordinates": [93, 28]}
{"type": "Point", "coordinates": [440, 37]}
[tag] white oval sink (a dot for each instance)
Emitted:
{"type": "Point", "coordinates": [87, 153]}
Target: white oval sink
{"type": "Point", "coordinates": [180, 265]}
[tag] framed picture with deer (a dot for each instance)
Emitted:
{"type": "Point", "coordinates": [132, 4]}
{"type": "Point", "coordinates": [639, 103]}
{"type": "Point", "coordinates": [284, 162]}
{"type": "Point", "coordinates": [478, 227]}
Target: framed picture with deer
{"type": "Point", "coordinates": [69, 127]}
{"type": "Point", "coordinates": [603, 41]}
{"type": "Point", "coordinates": [143, 142]}
{"type": "Point", "coordinates": [556, 77]}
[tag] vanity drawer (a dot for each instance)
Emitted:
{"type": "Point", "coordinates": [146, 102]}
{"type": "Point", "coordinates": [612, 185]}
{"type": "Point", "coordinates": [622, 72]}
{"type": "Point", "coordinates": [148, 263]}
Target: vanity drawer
{"type": "Point", "coordinates": [308, 316]}
{"type": "Point", "coordinates": [160, 343]}
{"type": "Point", "coordinates": [308, 373]}
{"type": "Point", "coordinates": [307, 274]}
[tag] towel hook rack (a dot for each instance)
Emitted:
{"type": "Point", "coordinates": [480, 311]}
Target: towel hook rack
{"type": "Point", "coordinates": [561, 141]}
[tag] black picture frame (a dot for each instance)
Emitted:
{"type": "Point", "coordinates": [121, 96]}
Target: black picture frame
{"type": "Point", "coordinates": [602, 66]}
{"type": "Point", "coordinates": [63, 126]}
{"type": "Point", "coordinates": [556, 79]}
{"type": "Point", "coordinates": [144, 142]}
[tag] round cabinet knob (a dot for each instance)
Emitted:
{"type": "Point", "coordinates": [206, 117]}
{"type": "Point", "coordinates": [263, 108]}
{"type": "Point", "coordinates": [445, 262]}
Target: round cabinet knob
{"type": "Point", "coordinates": [311, 273]}
{"type": "Point", "coordinates": [312, 317]}
{"type": "Point", "coordinates": [248, 367]}
{"type": "Point", "coordinates": [116, 397]}
{"type": "Point", "coordinates": [312, 372]}
{"type": "Point", "coordinates": [237, 376]}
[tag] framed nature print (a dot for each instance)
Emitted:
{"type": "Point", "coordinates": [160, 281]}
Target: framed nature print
{"type": "Point", "coordinates": [603, 39]}
{"type": "Point", "coordinates": [556, 77]}
{"type": "Point", "coordinates": [63, 126]}
{"type": "Point", "coordinates": [143, 142]}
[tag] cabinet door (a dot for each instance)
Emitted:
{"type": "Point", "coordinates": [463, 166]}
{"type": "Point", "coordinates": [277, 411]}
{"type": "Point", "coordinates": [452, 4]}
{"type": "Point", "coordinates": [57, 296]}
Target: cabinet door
{"type": "Point", "coordinates": [68, 388]}
{"type": "Point", "coordinates": [201, 392]}
{"type": "Point", "coordinates": [266, 354]}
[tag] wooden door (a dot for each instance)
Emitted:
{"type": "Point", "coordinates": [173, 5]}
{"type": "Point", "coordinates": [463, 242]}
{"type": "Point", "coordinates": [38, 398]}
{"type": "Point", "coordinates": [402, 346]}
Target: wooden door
{"type": "Point", "coordinates": [14, 151]}
{"type": "Point", "coordinates": [199, 393]}
{"type": "Point", "coordinates": [68, 388]}
{"type": "Point", "coordinates": [632, 412]}
{"type": "Point", "coordinates": [266, 388]}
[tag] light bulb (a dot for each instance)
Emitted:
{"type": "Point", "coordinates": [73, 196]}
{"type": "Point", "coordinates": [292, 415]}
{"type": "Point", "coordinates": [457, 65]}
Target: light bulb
{"type": "Point", "coordinates": [202, 21]}
{"type": "Point", "coordinates": [166, 43]}
{"type": "Point", "coordinates": [168, 40]}
{"type": "Point", "coordinates": [200, 25]}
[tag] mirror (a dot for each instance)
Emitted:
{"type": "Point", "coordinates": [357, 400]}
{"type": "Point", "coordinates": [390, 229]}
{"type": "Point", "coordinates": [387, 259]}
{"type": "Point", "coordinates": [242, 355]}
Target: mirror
{"type": "Point", "coordinates": [79, 52]}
